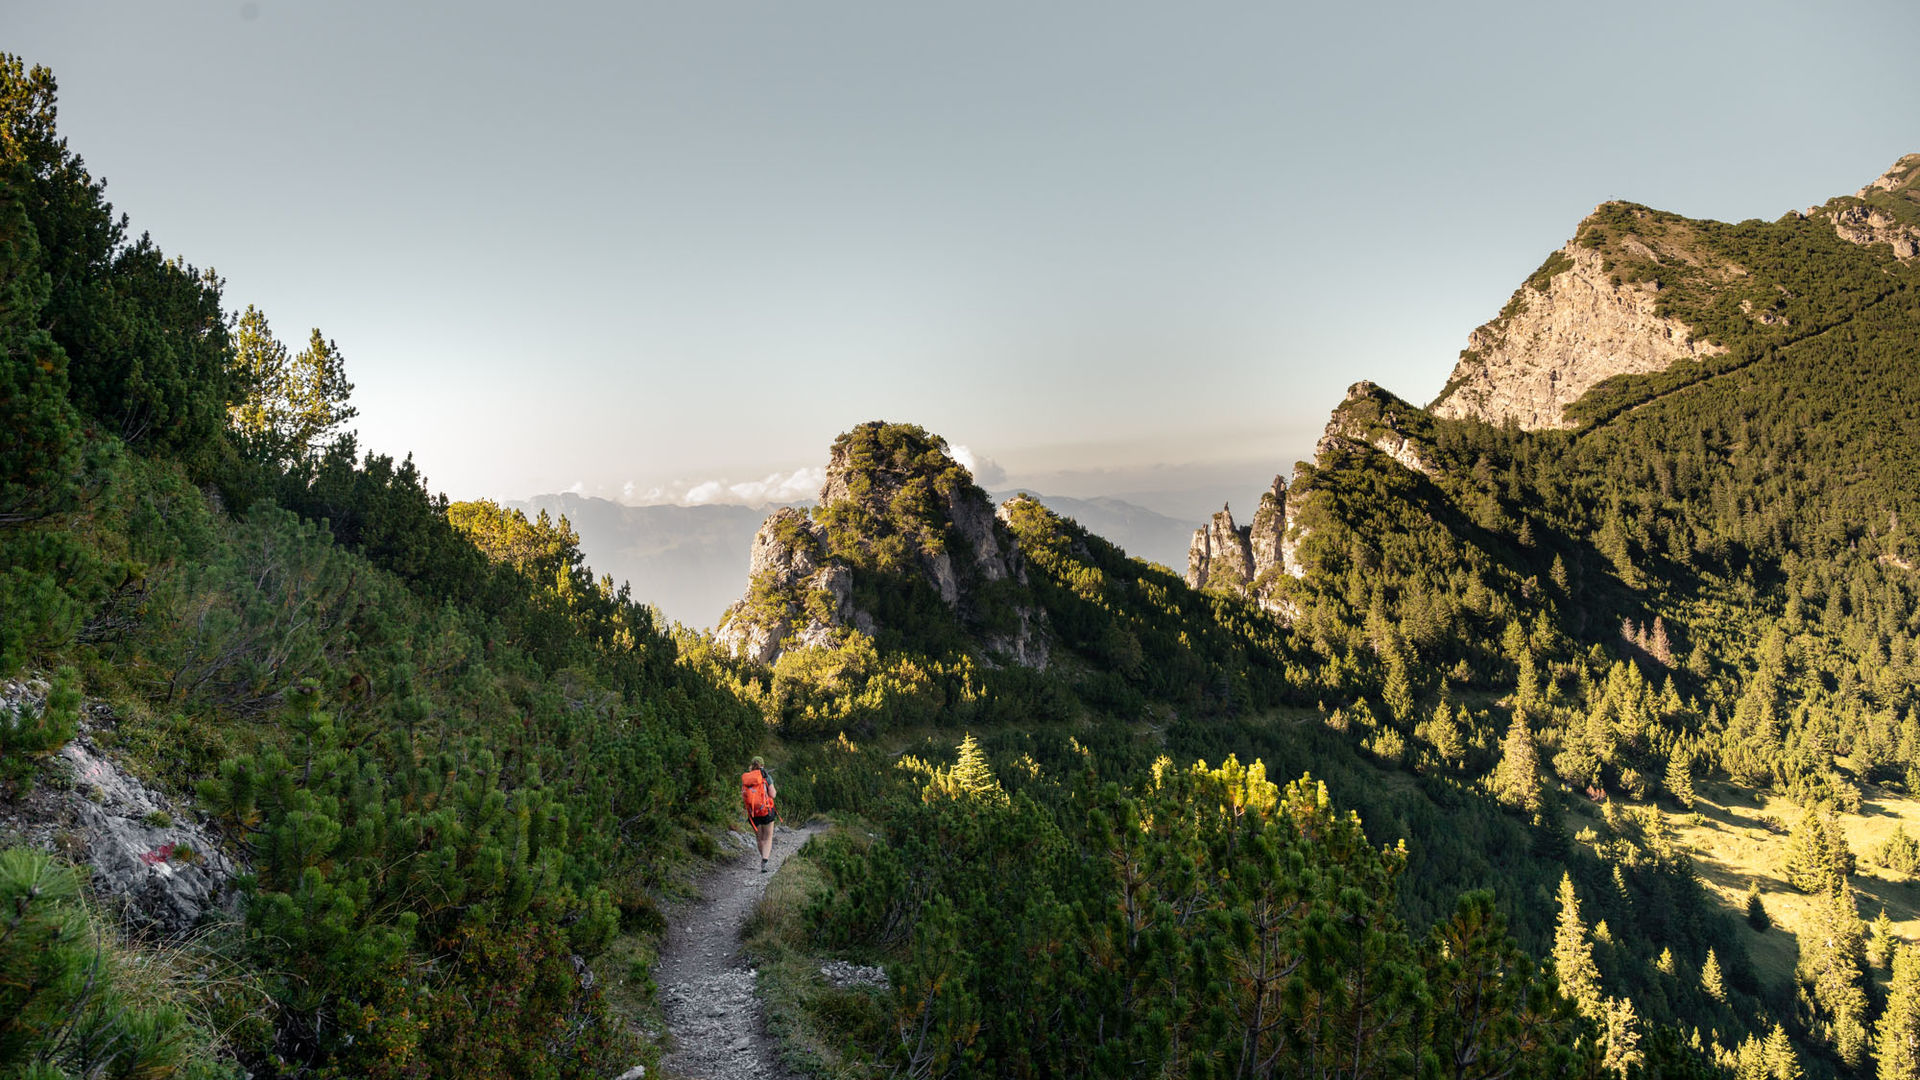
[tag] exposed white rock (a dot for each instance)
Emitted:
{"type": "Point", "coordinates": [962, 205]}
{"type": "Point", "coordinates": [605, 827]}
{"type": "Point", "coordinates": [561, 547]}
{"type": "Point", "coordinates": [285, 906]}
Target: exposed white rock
{"type": "Point", "coordinates": [151, 862]}
{"type": "Point", "coordinates": [1863, 224]}
{"type": "Point", "coordinates": [1561, 342]}
{"type": "Point", "coordinates": [1221, 556]}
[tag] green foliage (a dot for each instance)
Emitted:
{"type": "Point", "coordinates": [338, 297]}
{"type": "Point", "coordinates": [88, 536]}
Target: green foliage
{"type": "Point", "coordinates": [1207, 919]}
{"type": "Point", "coordinates": [1897, 1032]}
{"type": "Point", "coordinates": [1817, 859]}
{"type": "Point", "coordinates": [29, 734]}
{"type": "Point", "coordinates": [289, 405]}
{"type": "Point", "coordinates": [1898, 852]}
{"type": "Point", "coordinates": [65, 1007]}
{"type": "Point", "coordinates": [452, 763]}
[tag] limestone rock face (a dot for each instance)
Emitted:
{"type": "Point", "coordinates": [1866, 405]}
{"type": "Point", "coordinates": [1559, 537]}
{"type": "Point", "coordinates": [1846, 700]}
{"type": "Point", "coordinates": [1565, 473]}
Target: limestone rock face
{"type": "Point", "coordinates": [1221, 555]}
{"type": "Point", "coordinates": [1295, 531]}
{"type": "Point", "coordinates": [800, 594]}
{"type": "Point", "coordinates": [788, 558]}
{"type": "Point", "coordinates": [1268, 532]}
{"type": "Point", "coordinates": [1553, 344]}
{"type": "Point", "coordinates": [1886, 211]}
{"type": "Point", "coordinates": [151, 862]}
{"type": "Point", "coordinates": [1864, 225]}
{"type": "Point", "coordinates": [1244, 558]}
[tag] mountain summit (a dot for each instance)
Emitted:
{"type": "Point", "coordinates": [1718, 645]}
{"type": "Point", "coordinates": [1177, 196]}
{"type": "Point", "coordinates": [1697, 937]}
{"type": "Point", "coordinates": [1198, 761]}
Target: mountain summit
{"type": "Point", "coordinates": [902, 543]}
{"type": "Point", "coordinates": [1627, 295]}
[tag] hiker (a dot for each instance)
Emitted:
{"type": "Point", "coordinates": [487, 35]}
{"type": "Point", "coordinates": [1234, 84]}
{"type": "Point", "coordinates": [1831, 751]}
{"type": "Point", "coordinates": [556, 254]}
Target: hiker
{"type": "Point", "coordinates": [757, 791]}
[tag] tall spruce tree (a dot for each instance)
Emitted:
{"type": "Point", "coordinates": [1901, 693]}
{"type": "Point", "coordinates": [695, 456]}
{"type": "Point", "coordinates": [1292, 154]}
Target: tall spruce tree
{"type": "Point", "coordinates": [1573, 955]}
{"type": "Point", "coordinates": [1897, 1033]}
{"type": "Point", "coordinates": [1516, 780]}
{"type": "Point", "coordinates": [1712, 982]}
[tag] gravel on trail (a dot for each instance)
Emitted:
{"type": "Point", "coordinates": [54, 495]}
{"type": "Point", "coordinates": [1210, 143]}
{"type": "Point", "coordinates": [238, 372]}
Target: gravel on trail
{"type": "Point", "coordinates": [705, 983]}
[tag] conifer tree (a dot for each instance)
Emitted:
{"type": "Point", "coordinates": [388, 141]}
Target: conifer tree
{"type": "Point", "coordinates": [1711, 980]}
{"type": "Point", "coordinates": [1622, 1035]}
{"type": "Point", "coordinates": [1516, 780]}
{"type": "Point", "coordinates": [1658, 646]}
{"type": "Point", "coordinates": [1782, 1061]}
{"type": "Point", "coordinates": [1897, 1033]}
{"type": "Point", "coordinates": [1831, 968]}
{"type": "Point", "coordinates": [1573, 955]}
{"type": "Point", "coordinates": [289, 405]}
{"type": "Point", "coordinates": [1446, 735]}
{"type": "Point", "coordinates": [1881, 945]}
{"type": "Point", "coordinates": [1817, 859]}
{"type": "Point", "coordinates": [1680, 776]}
{"type": "Point", "coordinates": [40, 456]}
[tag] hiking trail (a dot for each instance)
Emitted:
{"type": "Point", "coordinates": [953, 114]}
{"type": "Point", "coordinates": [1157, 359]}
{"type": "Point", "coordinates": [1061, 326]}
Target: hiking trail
{"type": "Point", "coordinates": [706, 985]}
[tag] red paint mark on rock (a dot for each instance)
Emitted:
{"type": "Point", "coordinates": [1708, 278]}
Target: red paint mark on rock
{"type": "Point", "coordinates": [158, 855]}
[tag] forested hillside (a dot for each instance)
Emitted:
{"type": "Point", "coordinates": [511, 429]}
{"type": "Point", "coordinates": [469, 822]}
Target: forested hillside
{"type": "Point", "coordinates": [1642, 677]}
{"type": "Point", "coordinates": [454, 766]}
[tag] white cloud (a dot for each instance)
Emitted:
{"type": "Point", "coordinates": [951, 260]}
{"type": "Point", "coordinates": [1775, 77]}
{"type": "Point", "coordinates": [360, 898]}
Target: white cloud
{"type": "Point", "coordinates": [701, 494]}
{"type": "Point", "coordinates": [578, 487]}
{"type": "Point", "coordinates": [986, 471]}
{"type": "Point", "coordinates": [799, 485]}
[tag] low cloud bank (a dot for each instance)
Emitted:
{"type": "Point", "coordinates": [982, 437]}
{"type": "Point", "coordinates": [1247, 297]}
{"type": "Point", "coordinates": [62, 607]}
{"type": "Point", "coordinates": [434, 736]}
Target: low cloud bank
{"type": "Point", "coordinates": [799, 485]}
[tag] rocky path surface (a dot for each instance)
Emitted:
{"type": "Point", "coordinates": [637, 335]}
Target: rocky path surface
{"type": "Point", "coordinates": [705, 983]}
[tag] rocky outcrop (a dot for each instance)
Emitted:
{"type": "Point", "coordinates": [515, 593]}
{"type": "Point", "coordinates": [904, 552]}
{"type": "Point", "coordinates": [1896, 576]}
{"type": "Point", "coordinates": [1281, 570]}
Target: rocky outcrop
{"type": "Point", "coordinates": [1886, 211]}
{"type": "Point", "coordinates": [1247, 559]}
{"type": "Point", "coordinates": [1565, 331]}
{"type": "Point", "coordinates": [1221, 555]}
{"type": "Point", "coordinates": [150, 861]}
{"type": "Point", "coordinates": [891, 488]}
{"type": "Point", "coordinates": [788, 563]}
{"type": "Point", "coordinates": [1224, 555]}
{"type": "Point", "coordinates": [1373, 417]}
{"type": "Point", "coordinates": [1266, 537]}
{"type": "Point", "coordinates": [1863, 225]}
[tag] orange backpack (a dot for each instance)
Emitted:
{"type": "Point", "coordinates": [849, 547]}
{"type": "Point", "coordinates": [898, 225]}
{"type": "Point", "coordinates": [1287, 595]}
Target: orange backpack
{"type": "Point", "coordinates": [753, 792]}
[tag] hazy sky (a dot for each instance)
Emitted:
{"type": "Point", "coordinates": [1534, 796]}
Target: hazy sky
{"type": "Point", "coordinates": [1110, 248]}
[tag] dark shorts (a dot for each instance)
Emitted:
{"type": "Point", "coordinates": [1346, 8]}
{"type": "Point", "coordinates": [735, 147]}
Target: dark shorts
{"type": "Point", "coordinates": [761, 820]}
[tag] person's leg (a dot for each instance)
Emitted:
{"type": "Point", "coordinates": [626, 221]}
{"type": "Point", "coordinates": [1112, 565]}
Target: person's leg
{"type": "Point", "coordinates": [766, 841]}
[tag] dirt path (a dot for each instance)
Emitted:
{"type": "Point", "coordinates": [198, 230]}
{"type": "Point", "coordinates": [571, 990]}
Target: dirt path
{"type": "Point", "coordinates": [705, 984]}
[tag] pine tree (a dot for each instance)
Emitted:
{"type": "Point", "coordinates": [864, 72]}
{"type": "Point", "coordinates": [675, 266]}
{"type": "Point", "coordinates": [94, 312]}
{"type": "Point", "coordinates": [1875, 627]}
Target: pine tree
{"type": "Point", "coordinates": [1832, 967]}
{"type": "Point", "coordinates": [288, 405]}
{"type": "Point", "coordinates": [1782, 1062]}
{"type": "Point", "coordinates": [1664, 965]}
{"type": "Point", "coordinates": [970, 780]}
{"type": "Point", "coordinates": [1622, 1035]}
{"type": "Point", "coordinates": [1658, 645]}
{"type": "Point", "coordinates": [1711, 980]}
{"type": "Point", "coordinates": [40, 457]}
{"type": "Point", "coordinates": [317, 394]}
{"type": "Point", "coordinates": [1516, 780]}
{"type": "Point", "coordinates": [1573, 956]}
{"type": "Point", "coordinates": [1449, 741]}
{"type": "Point", "coordinates": [1897, 1033]}
{"type": "Point", "coordinates": [1680, 776]}
{"type": "Point", "coordinates": [1817, 858]}
{"type": "Point", "coordinates": [259, 373]}
{"type": "Point", "coordinates": [1881, 945]}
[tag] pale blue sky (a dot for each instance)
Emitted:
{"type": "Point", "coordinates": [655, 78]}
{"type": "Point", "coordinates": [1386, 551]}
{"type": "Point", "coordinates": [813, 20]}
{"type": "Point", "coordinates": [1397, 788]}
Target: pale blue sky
{"type": "Point", "coordinates": [1116, 248]}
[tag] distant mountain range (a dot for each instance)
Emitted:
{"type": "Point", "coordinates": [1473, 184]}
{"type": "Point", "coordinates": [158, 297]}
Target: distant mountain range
{"type": "Point", "coordinates": [691, 561]}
